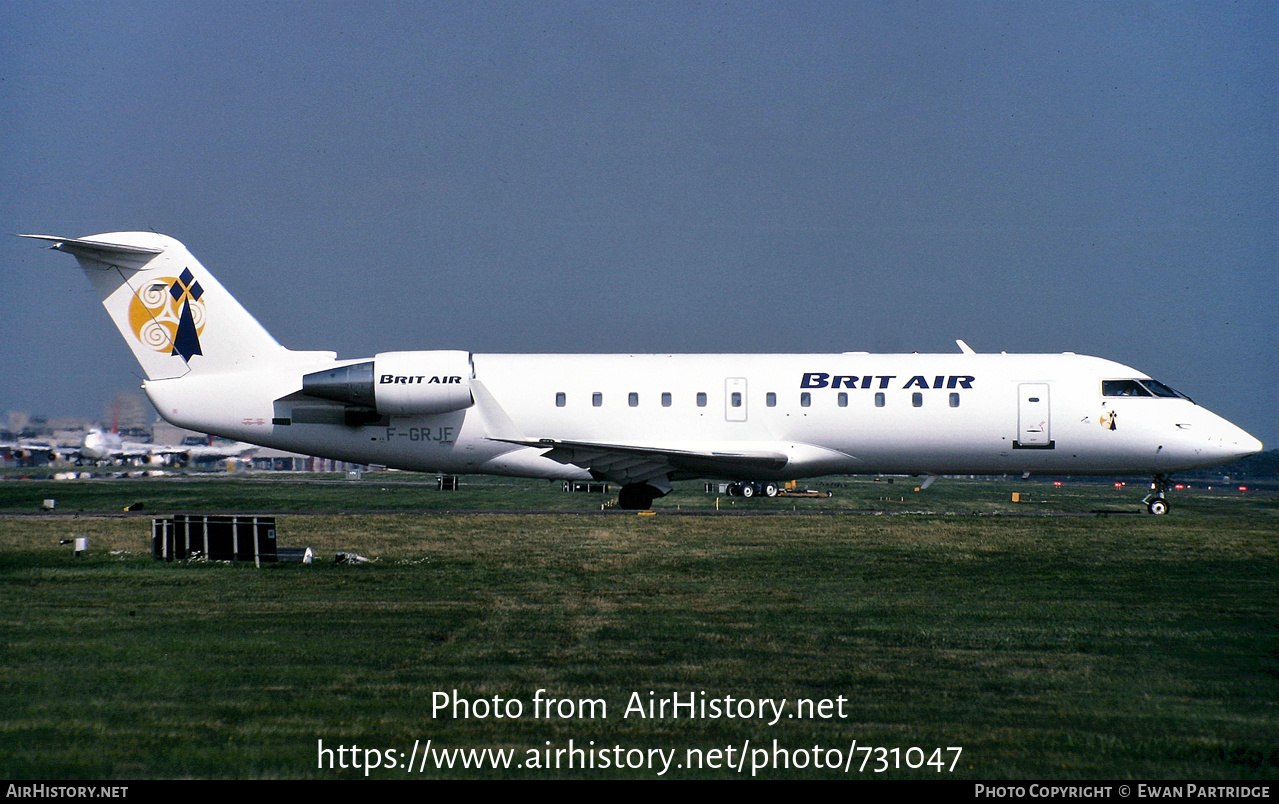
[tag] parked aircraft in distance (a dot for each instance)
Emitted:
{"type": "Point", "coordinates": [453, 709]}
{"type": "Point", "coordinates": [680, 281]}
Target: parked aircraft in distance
{"type": "Point", "coordinates": [102, 446]}
{"type": "Point", "coordinates": [639, 420]}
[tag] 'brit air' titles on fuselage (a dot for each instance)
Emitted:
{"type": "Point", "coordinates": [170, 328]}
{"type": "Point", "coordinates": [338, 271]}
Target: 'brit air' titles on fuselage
{"type": "Point", "coordinates": [400, 379]}
{"type": "Point", "coordinates": [821, 379]}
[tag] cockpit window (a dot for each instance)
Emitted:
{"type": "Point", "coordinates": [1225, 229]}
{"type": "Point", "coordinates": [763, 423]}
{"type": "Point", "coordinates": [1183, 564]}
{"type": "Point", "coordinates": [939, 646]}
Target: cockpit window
{"type": "Point", "coordinates": [1139, 388]}
{"type": "Point", "coordinates": [1122, 388]}
{"type": "Point", "coordinates": [1159, 389]}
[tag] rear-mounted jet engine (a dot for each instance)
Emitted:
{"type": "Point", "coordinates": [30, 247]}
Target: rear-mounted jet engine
{"type": "Point", "coordinates": [398, 383]}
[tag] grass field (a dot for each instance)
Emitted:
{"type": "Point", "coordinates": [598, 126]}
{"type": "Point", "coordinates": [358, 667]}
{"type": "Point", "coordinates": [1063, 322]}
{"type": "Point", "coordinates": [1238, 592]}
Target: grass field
{"type": "Point", "coordinates": [1045, 647]}
{"type": "Point", "coordinates": [410, 492]}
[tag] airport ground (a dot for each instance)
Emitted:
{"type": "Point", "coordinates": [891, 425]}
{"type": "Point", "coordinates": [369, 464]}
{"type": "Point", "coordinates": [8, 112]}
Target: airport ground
{"type": "Point", "coordinates": [1066, 635]}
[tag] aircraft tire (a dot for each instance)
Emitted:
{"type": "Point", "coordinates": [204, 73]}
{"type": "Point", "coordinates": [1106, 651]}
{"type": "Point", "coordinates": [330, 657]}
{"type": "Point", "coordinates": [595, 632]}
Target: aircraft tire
{"type": "Point", "coordinates": [1158, 506]}
{"type": "Point", "coordinates": [748, 489]}
{"type": "Point", "coordinates": [770, 489]}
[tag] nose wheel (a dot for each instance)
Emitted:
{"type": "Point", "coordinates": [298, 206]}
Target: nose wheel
{"type": "Point", "coordinates": [1156, 501]}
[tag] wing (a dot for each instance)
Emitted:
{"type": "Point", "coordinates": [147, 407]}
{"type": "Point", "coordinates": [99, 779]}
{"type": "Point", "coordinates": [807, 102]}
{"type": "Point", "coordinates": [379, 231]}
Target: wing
{"type": "Point", "coordinates": [29, 449]}
{"type": "Point", "coordinates": [235, 450]}
{"type": "Point", "coordinates": [633, 463]}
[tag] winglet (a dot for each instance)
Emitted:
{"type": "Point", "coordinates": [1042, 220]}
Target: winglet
{"type": "Point", "coordinates": [965, 348]}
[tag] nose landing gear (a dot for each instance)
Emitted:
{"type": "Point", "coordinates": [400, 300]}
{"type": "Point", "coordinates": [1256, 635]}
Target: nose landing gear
{"type": "Point", "coordinates": [1156, 501]}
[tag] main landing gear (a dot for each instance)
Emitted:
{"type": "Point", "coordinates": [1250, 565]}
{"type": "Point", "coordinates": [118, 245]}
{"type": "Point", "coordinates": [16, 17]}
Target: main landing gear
{"type": "Point", "coordinates": [1156, 501]}
{"type": "Point", "coordinates": [638, 496]}
{"type": "Point", "coordinates": [753, 489]}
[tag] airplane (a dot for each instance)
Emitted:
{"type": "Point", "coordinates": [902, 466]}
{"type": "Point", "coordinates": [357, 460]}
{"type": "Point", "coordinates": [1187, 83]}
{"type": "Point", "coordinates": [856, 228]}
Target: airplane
{"type": "Point", "coordinates": [99, 446]}
{"type": "Point", "coordinates": [641, 421]}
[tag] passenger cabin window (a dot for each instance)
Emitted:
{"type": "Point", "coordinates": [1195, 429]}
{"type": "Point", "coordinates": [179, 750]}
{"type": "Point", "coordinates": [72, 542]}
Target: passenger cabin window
{"type": "Point", "coordinates": [805, 399]}
{"type": "Point", "coordinates": [736, 399]}
{"type": "Point", "coordinates": [597, 399]}
{"type": "Point", "coordinates": [954, 400]}
{"type": "Point", "coordinates": [701, 399]}
{"type": "Point", "coordinates": [560, 399]}
{"type": "Point", "coordinates": [879, 400]}
{"type": "Point", "coordinates": [770, 399]}
{"type": "Point", "coordinates": [917, 399]}
{"type": "Point", "coordinates": [843, 399]}
{"type": "Point", "coordinates": [666, 399]}
{"type": "Point", "coordinates": [633, 399]}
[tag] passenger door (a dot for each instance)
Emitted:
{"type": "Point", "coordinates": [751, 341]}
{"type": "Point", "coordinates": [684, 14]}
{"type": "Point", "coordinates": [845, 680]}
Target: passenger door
{"type": "Point", "coordinates": [1034, 417]}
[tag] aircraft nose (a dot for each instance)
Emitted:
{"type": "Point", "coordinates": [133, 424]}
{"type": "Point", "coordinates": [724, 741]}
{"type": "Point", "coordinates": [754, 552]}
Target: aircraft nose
{"type": "Point", "coordinates": [1213, 440]}
{"type": "Point", "coordinates": [1238, 443]}
{"type": "Point", "coordinates": [1251, 445]}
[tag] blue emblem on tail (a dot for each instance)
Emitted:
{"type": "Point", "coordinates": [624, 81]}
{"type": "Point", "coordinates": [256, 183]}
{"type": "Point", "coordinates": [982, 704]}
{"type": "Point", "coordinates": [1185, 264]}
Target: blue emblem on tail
{"type": "Point", "coordinates": [186, 341]}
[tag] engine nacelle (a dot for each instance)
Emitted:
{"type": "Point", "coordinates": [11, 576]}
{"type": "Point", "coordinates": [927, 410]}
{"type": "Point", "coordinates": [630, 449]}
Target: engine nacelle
{"type": "Point", "coordinates": [399, 383]}
{"type": "Point", "coordinates": [413, 383]}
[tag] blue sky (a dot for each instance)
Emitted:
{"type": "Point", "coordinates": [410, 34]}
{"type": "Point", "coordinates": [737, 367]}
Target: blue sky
{"type": "Point", "coordinates": [522, 177]}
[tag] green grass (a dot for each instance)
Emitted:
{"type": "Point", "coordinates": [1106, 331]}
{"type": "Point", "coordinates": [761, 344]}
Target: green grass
{"type": "Point", "coordinates": [1078, 647]}
{"type": "Point", "coordinates": [411, 492]}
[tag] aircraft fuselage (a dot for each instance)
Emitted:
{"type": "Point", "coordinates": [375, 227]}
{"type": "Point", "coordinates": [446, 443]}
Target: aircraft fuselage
{"type": "Point", "coordinates": [831, 413]}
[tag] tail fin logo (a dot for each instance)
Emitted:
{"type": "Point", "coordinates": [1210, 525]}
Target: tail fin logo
{"type": "Point", "coordinates": [168, 315]}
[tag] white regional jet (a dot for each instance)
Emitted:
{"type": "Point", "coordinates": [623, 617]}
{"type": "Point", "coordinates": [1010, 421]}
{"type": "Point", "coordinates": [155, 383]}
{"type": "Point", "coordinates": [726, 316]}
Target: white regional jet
{"type": "Point", "coordinates": [640, 421]}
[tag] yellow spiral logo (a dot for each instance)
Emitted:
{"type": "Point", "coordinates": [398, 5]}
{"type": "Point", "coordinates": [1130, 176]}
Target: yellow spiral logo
{"type": "Point", "coordinates": [154, 313]}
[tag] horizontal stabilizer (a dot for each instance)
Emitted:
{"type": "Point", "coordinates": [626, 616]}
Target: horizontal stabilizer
{"type": "Point", "coordinates": [117, 254]}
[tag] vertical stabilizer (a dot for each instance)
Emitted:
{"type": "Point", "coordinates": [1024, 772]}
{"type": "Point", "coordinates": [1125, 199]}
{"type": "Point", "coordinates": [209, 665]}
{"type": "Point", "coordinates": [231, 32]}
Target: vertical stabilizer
{"type": "Point", "coordinates": [174, 315]}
